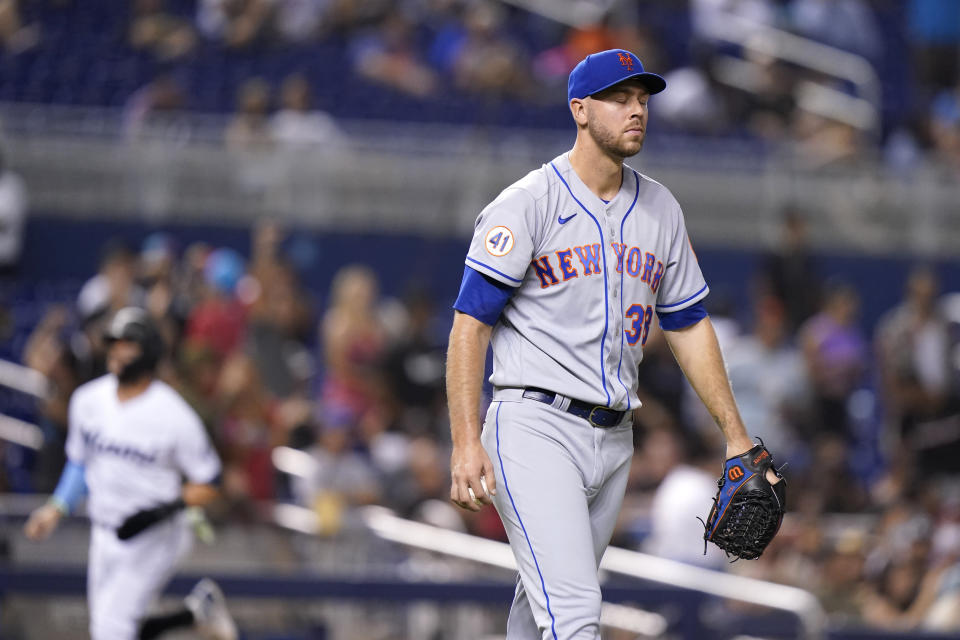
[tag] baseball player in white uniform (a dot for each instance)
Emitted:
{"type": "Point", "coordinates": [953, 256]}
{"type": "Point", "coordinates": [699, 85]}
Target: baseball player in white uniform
{"type": "Point", "coordinates": [566, 270]}
{"type": "Point", "coordinates": [131, 442]}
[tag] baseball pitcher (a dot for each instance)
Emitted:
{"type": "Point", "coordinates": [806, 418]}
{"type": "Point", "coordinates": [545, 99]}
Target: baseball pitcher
{"type": "Point", "coordinates": [567, 268]}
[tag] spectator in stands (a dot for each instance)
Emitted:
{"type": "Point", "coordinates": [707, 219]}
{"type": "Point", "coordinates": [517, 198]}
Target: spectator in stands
{"type": "Point", "coordinates": [486, 61]}
{"type": "Point", "coordinates": [297, 125]}
{"type": "Point", "coordinates": [913, 357]}
{"type": "Point", "coordinates": [88, 347]}
{"type": "Point", "coordinates": [826, 143]}
{"type": "Point", "coordinates": [13, 217]}
{"type": "Point", "coordinates": [789, 271]}
{"type": "Point", "coordinates": [425, 491]}
{"type": "Point", "coordinates": [354, 344]}
{"type": "Point", "coordinates": [237, 23]}
{"type": "Point", "coordinates": [938, 603]}
{"type": "Point", "coordinates": [615, 31]}
{"type": "Point", "coordinates": [943, 592]}
{"type": "Point", "coordinates": [387, 54]}
{"type": "Point", "coordinates": [298, 21]}
{"type": "Point", "coordinates": [696, 102]}
{"type": "Point", "coordinates": [842, 560]}
{"type": "Point", "coordinates": [767, 104]}
{"type": "Point", "coordinates": [153, 29]}
{"type": "Point", "coordinates": [665, 380]}
{"type": "Point", "coordinates": [15, 36]}
{"type": "Point", "coordinates": [157, 277]}
{"type": "Point", "coordinates": [769, 378]}
{"type": "Point", "coordinates": [247, 431]}
{"type": "Point", "coordinates": [798, 551]}
{"type": "Point", "coordinates": [846, 24]}
{"type": "Point", "coordinates": [115, 285]}
{"type": "Point", "coordinates": [373, 436]}
{"type": "Point", "coordinates": [191, 281]}
{"type": "Point", "coordinates": [414, 368]}
{"type": "Point", "coordinates": [893, 600]}
{"type": "Point", "coordinates": [249, 128]}
{"type": "Point", "coordinates": [934, 32]}
{"type": "Point", "coordinates": [682, 495]}
{"type": "Point", "coordinates": [827, 475]}
{"type": "Point", "coordinates": [944, 126]}
{"type": "Point", "coordinates": [836, 356]}
{"type": "Point", "coordinates": [256, 165]}
{"type": "Point", "coordinates": [553, 65]}
{"type": "Point", "coordinates": [903, 529]}
{"type": "Point", "coordinates": [154, 107]}
{"type": "Point", "coordinates": [48, 352]}
{"type": "Point", "coordinates": [342, 478]}
{"type": "Point", "coordinates": [197, 368]}
{"type": "Point", "coordinates": [279, 319]}
{"type": "Point", "coordinates": [219, 320]}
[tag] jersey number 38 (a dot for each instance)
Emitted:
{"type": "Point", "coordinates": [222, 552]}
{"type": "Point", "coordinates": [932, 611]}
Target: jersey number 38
{"type": "Point", "coordinates": [640, 327]}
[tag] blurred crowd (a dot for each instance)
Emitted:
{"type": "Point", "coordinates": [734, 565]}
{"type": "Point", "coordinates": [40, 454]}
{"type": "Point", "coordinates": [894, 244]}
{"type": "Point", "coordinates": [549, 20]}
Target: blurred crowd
{"type": "Point", "coordinates": [264, 367]}
{"type": "Point", "coordinates": [428, 49]}
{"type": "Point", "coordinates": [429, 52]}
{"type": "Point", "coordinates": [868, 424]}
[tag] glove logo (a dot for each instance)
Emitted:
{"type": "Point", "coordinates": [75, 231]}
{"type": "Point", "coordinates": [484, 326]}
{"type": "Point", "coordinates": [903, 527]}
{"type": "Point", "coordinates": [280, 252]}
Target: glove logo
{"type": "Point", "coordinates": [735, 473]}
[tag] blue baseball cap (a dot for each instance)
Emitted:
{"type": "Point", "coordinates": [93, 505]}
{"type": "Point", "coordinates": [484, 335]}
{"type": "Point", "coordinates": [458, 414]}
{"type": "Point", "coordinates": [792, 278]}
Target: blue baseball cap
{"type": "Point", "coordinates": [599, 71]}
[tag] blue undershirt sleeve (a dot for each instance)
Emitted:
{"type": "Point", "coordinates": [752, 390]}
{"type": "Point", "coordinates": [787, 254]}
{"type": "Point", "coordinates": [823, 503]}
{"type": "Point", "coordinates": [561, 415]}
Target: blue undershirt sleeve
{"type": "Point", "coordinates": [683, 318]}
{"type": "Point", "coordinates": [482, 296]}
{"type": "Point", "coordinates": [71, 488]}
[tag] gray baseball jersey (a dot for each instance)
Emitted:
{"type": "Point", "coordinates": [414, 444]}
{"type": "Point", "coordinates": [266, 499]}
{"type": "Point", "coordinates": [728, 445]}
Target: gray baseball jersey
{"type": "Point", "coordinates": [590, 276]}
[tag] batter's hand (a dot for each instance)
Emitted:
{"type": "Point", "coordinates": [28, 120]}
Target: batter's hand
{"type": "Point", "coordinates": [42, 522]}
{"type": "Point", "coordinates": [471, 473]}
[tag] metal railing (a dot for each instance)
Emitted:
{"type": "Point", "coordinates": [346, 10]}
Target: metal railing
{"type": "Point", "coordinates": [389, 527]}
{"type": "Point", "coordinates": [384, 523]}
{"type": "Point", "coordinates": [633, 564]}
{"type": "Point", "coordinates": [29, 382]}
{"type": "Point", "coordinates": [862, 112]}
{"type": "Point", "coordinates": [434, 180]}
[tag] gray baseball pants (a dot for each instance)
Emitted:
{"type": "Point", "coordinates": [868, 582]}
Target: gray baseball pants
{"type": "Point", "coordinates": [560, 485]}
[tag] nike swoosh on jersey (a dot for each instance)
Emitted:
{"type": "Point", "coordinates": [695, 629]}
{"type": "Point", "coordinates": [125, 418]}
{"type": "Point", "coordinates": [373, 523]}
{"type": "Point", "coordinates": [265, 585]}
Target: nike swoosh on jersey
{"type": "Point", "coordinates": [563, 220]}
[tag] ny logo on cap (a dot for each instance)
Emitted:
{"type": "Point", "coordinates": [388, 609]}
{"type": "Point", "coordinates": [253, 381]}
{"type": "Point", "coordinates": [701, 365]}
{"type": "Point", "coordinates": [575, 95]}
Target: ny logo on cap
{"type": "Point", "coordinates": [626, 61]}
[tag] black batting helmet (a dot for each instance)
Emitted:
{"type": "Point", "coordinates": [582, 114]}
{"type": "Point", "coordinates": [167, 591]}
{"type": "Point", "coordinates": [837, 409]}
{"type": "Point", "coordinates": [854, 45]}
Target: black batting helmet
{"type": "Point", "coordinates": [134, 324]}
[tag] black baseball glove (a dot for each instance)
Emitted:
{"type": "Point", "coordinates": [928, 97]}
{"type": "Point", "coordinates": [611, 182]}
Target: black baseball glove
{"type": "Point", "coordinates": [147, 518]}
{"type": "Point", "coordinates": [747, 510]}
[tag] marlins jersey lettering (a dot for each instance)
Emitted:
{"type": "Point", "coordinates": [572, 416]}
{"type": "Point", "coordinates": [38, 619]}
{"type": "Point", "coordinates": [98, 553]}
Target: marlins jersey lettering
{"type": "Point", "coordinates": [591, 275]}
{"type": "Point", "coordinates": [137, 452]}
